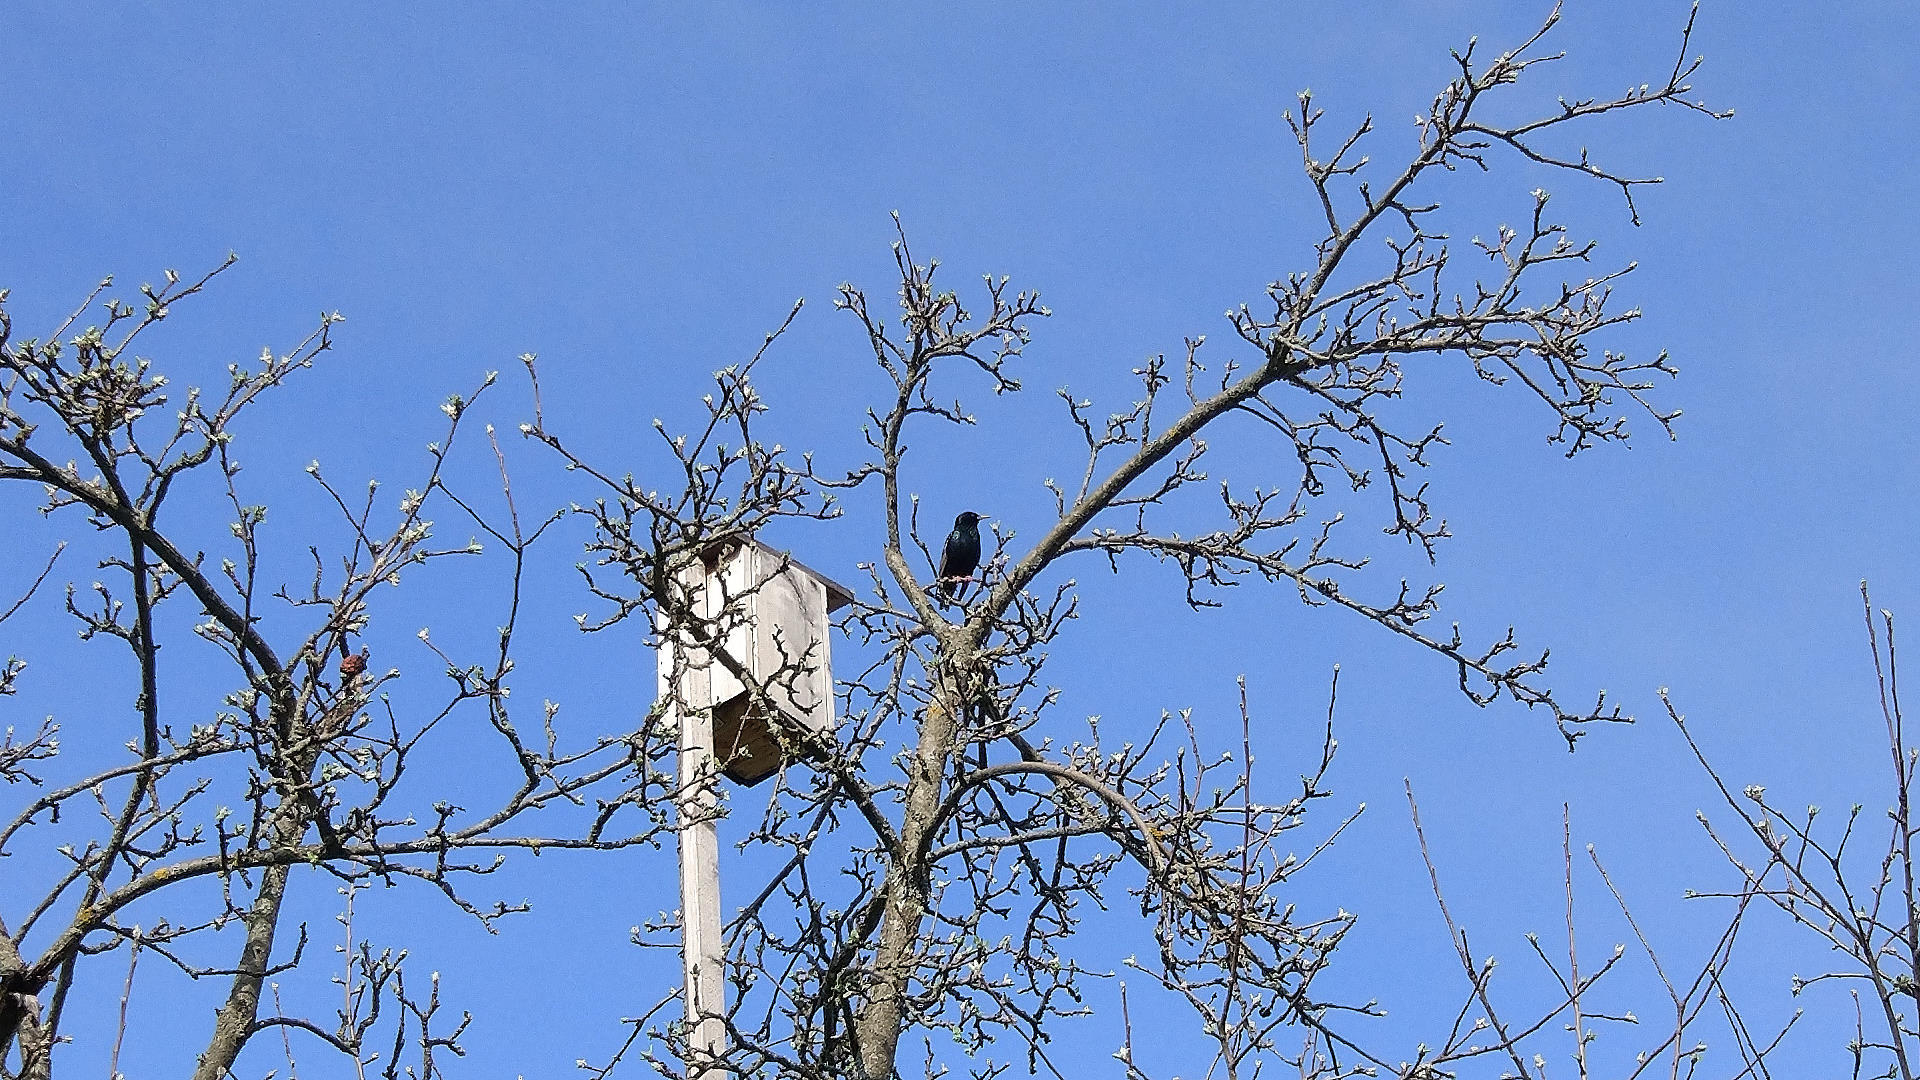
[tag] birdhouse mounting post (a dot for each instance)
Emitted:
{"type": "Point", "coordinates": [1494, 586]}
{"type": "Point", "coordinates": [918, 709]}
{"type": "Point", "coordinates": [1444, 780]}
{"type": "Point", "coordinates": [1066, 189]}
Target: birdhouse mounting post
{"type": "Point", "coordinates": [702, 950]}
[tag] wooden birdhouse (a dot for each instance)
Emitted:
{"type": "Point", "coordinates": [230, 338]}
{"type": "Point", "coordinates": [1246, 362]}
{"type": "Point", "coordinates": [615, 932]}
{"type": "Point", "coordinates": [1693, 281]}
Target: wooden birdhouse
{"type": "Point", "coordinates": [751, 647]}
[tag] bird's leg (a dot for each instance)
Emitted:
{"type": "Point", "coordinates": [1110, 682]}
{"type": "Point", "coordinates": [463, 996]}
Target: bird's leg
{"type": "Point", "coordinates": [952, 587]}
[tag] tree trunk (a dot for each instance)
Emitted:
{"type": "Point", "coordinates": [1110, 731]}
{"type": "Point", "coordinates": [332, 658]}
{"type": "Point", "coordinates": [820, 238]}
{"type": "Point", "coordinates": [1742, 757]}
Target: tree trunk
{"type": "Point", "coordinates": [878, 1028]}
{"type": "Point", "coordinates": [234, 1024]}
{"type": "Point", "coordinates": [20, 1015]}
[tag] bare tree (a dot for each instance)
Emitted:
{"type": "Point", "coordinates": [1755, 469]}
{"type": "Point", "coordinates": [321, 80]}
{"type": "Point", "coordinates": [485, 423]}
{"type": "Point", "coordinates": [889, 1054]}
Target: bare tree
{"type": "Point", "coordinates": [1849, 892]}
{"type": "Point", "coordinates": [305, 744]}
{"type": "Point", "coordinates": [941, 851]}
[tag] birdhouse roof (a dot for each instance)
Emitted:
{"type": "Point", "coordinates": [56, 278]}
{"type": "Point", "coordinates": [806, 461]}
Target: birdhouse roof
{"type": "Point", "coordinates": [838, 595]}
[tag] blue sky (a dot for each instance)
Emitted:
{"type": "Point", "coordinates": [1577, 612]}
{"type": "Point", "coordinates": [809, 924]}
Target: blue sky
{"type": "Point", "coordinates": [639, 194]}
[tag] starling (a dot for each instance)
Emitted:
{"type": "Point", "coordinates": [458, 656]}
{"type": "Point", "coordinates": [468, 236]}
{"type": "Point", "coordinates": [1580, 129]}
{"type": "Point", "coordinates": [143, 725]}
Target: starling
{"type": "Point", "coordinates": [962, 554]}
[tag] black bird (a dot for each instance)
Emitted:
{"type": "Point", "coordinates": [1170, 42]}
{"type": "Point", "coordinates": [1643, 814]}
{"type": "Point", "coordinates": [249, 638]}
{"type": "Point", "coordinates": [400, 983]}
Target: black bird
{"type": "Point", "coordinates": [961, 557]}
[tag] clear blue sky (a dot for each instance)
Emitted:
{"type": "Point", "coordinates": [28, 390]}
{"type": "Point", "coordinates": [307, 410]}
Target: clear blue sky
{"type": "Point", "coordinates": [639, 194]}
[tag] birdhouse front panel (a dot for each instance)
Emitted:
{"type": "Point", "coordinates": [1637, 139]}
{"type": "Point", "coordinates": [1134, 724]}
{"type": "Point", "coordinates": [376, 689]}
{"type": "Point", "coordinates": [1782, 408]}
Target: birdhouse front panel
{"type": "Point", "coordinates": [727, 601]}
{"type": "Point", "coordinates": [679, 652]}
